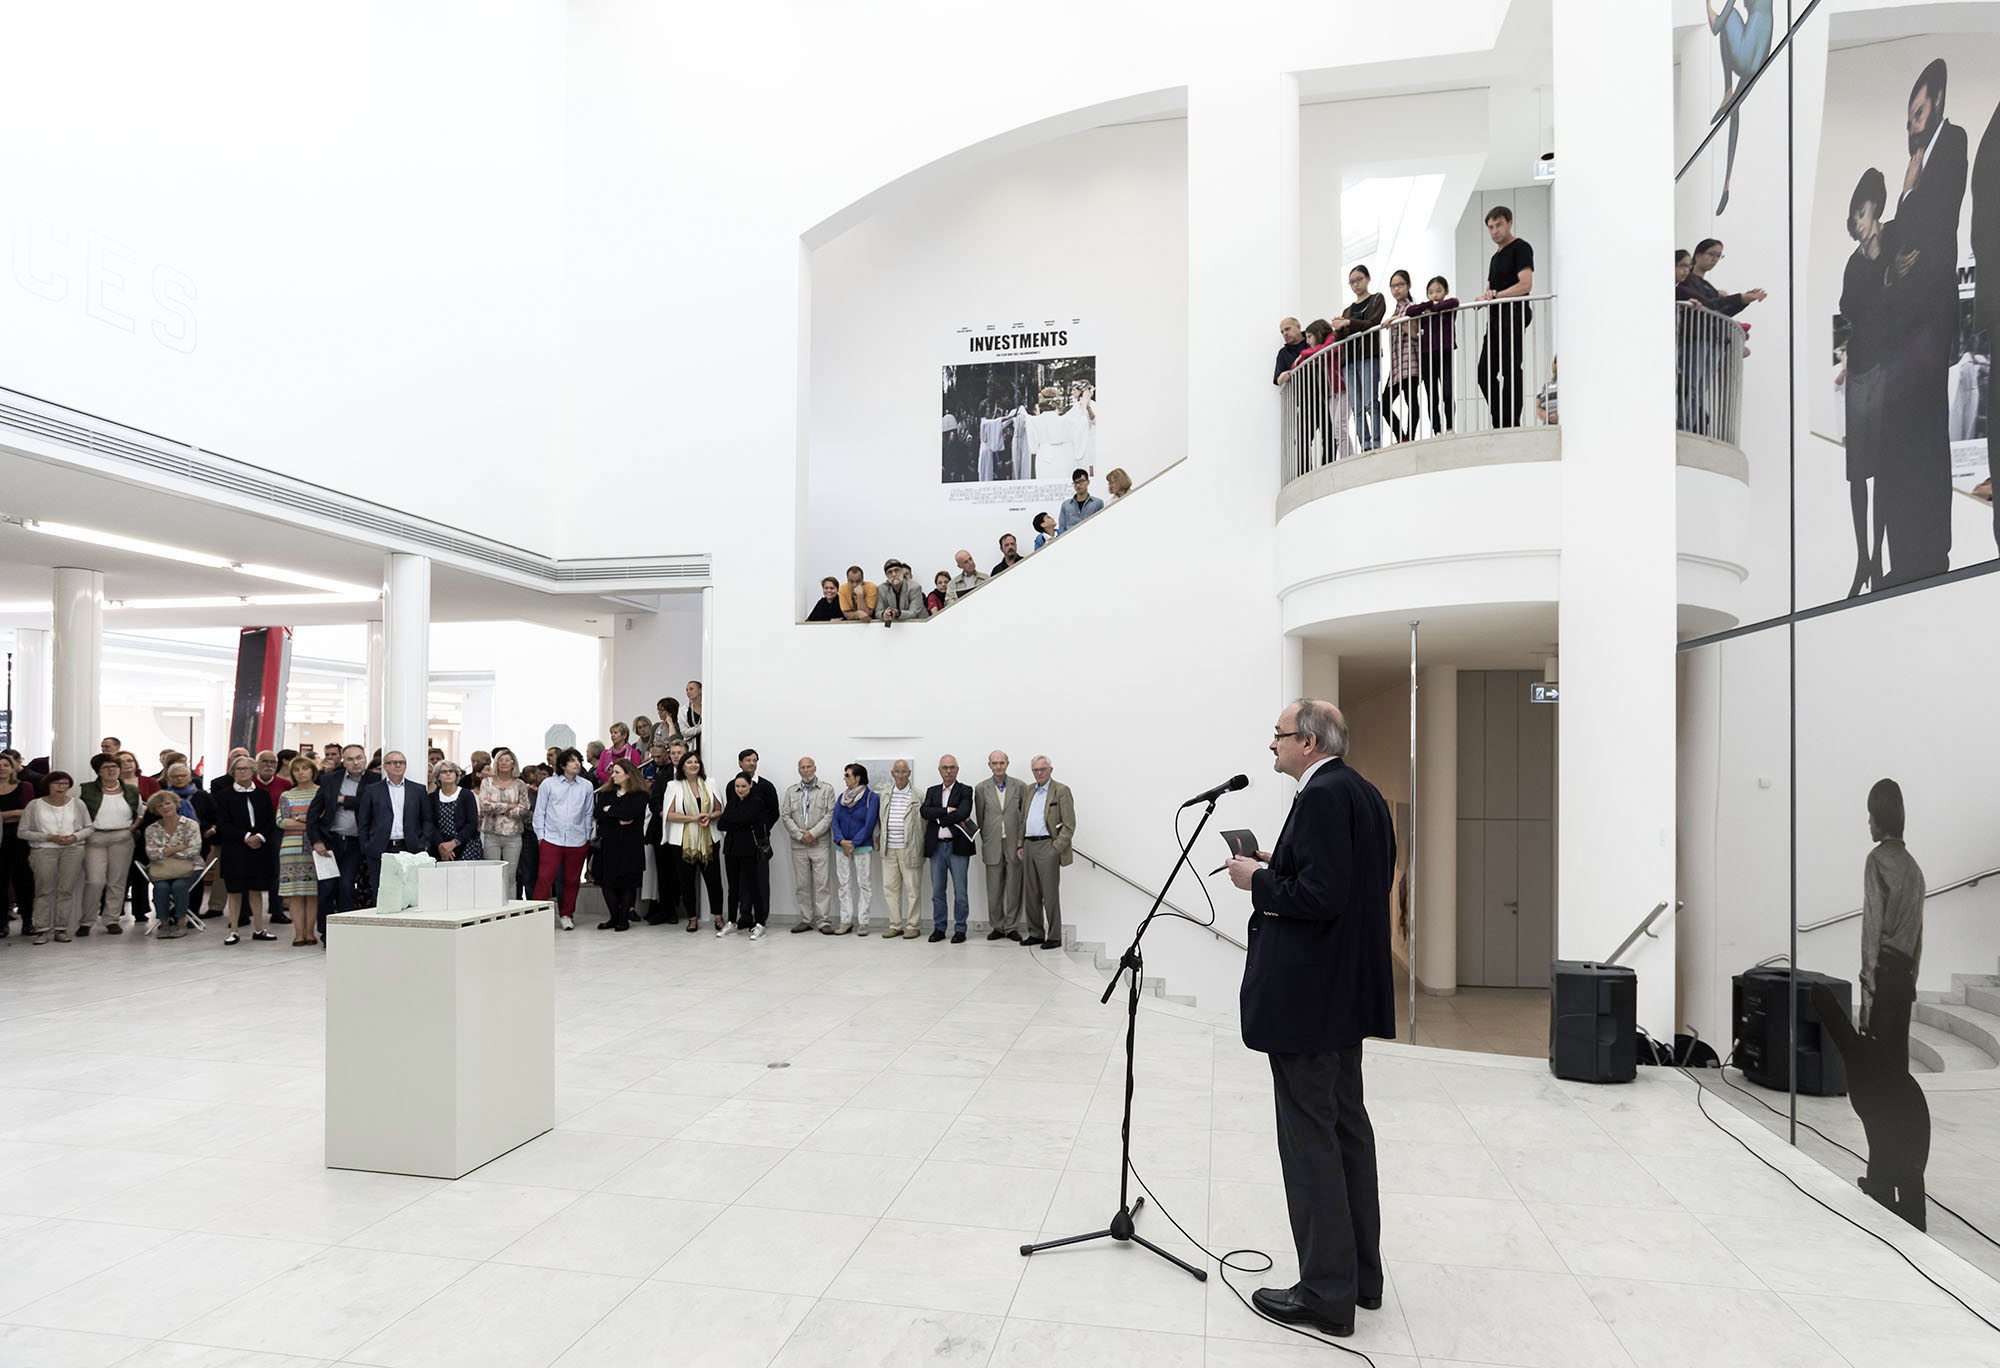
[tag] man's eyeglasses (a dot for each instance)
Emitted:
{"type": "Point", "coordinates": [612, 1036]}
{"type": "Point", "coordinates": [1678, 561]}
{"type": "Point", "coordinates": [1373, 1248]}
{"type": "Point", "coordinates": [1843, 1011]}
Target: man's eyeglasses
{"type": "Point", "coordinates": [1279, 736]}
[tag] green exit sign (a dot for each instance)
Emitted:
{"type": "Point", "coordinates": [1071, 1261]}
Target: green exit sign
{"type": "Point", "coordinates": [1547, 692]}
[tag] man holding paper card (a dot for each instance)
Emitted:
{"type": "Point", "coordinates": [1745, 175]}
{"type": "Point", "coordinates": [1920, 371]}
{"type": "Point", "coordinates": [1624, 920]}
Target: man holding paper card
{"type": "Point", "coordinates": [1316, 982]}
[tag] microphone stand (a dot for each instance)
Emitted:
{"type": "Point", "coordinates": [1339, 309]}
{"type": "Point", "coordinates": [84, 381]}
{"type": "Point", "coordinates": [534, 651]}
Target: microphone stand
{"type": "Point", "coordinates": [1133, 963]}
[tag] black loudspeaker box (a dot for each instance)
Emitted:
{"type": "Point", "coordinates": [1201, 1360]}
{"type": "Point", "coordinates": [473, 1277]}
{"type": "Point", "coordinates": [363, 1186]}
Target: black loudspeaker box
{"type": "Point", "coordinates": [1757, 1002]}
{"type": "Point", "coordinates": [1593, 1022]}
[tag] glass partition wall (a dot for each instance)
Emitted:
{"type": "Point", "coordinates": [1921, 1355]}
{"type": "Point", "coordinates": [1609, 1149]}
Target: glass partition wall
{"type": "Point", "coordinates": [1840, 796]}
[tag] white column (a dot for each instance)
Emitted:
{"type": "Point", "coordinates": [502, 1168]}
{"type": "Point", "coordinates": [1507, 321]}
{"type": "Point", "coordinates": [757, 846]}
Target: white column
{"type": "Point", "coordinates": [1435, 841]}
{"type": "Point", "coordinates": [1291, 669]}
{"type": "Point", "coordinates": [607, 700]}
{"type": "Point", "coordinates": [31, 691]}
{"type": "Point", "coordinates": [406, 656]}
{"type": "Point", "coordinates": [370, 717]}
{"type": "Point", "coordinates": [707, 664]}
{"type": "Point", "coordinates": [78, 666]}
{"type": "Point", "coordinates": [215, 729]}
{"type": "Point", "coordinates": [1614, 217]}
{"type": "Point", "coordinates": [355, 694]}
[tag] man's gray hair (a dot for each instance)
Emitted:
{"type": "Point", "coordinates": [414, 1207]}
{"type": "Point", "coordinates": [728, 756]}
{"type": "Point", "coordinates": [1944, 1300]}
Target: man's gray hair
{"type": "Point", "coordinates": [1322, 723]}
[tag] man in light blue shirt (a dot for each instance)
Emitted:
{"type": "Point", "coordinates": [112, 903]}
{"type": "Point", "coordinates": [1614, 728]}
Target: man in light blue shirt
{"type": "Point", "coordinates": [1082, 506]}
{"type": "Point", "coordinates": [562, 830]}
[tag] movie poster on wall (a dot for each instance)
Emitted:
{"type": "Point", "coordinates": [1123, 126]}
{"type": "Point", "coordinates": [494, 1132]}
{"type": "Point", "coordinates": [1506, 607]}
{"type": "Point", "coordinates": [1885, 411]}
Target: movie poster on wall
{"type": "Point", "coordinates": [1019, 412]}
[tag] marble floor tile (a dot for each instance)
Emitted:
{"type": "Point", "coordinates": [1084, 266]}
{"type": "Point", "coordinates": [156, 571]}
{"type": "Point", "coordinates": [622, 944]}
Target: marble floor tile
{"type": "Point", "coordinates": [1623, 1242]}
{"type": "Point", "coordinates": [975, 1194]}
{"type": "Point", "coordinates": [1112, 1284]}
{"type": "Point", "coordinates": [467, 1220]}
{"type": "Point", "coordinates": [1505, 1316]}
{"type": "Point", "coordinates": [604, 1232]}
{"type": "Point", "coordinates": [935, 1267]}
{"type": "Point", "coordinates": [768, 1250]}
{"type": "Point", "coordinates": [695, 1171]}
{"type": "Point", "coordinates": [577, 1160]}
{"type": "Point", "coordinates": [847, 1184]}
{"type": "Point", "coordinates": [33, 1345]}
{"type": "Point", "coordinates": [1736, 1327]}
{"type": "Point", "coordinates": [690, 1327]}
{"type": "Point", "coordinates": [147, 1297]}
{"type": "Point", "coordinates": [354, 1295]}
{"type": "Point", "coordinates": [1041, 1344]}
{"type": "Point", "coordinates": [54, 1254]}
{"type": "Point", "coordinates": [498, 1316]}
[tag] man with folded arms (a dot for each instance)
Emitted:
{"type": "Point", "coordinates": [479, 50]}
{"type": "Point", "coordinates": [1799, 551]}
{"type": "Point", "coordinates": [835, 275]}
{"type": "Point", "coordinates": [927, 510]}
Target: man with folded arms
{"type": "Point", "coordinates": [1315, 983]}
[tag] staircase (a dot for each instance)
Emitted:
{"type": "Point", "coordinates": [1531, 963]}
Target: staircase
{"type": "Point", "coordinates": [1958, 1033]}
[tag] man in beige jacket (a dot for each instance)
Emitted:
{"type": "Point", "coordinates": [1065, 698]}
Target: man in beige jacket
{"type": "Point", "coordinates": [807, 816]}
{"type": "Point", "coordinates": [999, 807]}
{"type": "Point", "coordinates": [1046, 833]}
{"type": "Point", "coordinates": [899, 835]}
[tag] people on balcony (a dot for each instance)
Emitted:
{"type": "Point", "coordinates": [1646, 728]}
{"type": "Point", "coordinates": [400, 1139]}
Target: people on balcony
{"type": "Point", "coordinates": [900, 599]}
{"type": "Point", "coordinates": [1545, 399]}
{"type": "Point", "coordinates": [968, 577]}
{"type": "Point", "coordinates": [1288, 354]}
{"type": "Point", "coordinates": [1118, 482]}
{"type": "Point", "coordinates": [1083, 505]}
{"type": "Point", "coordinates": [1403, 354]}
{"type": "Point", "coordinates": [857, 596]}
{"type": "Point", "coordinates": [1361, 361]}
{"type": "Point", "coordinates": [828, 607]}
{"type": "Point", "coordinates": [1510, 274]}
{"type": "Point", "coordinates": [1045, 529]}
{"type": "Point", "coordinates": [1437, 338]}
{"type": "Point", "coordinates": [940, 593]}
{"type": "Point", "coordinates": [1325, 400]}
{"type": "Point", "coordinates": [1010, 554]}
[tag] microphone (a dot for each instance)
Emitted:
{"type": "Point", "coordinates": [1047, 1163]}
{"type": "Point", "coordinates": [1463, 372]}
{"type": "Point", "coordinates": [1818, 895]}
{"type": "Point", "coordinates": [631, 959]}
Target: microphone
{"type": "Point", "coordinates": [1241, 781]}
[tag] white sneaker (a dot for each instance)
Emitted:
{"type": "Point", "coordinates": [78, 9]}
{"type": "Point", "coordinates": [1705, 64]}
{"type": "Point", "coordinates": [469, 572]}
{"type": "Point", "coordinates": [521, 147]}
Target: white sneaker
{"type": "Point", "coordinates": [569, 923]}
{"type": "Point", "coordinates": [726, 929]}
{"type": "Point", "coordinates": [756, 933]}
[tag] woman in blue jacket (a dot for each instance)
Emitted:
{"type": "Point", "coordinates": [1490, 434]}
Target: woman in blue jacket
{"type": "Point", "coordinates": [853, 843]}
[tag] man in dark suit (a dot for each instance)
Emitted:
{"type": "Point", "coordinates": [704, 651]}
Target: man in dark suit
{"type": "Point", "coordinates": [1914, 486]}
{"type": "Point", "coordinates": [1986, 250]}
{"type": "Point", "coordinates": [948, 831]}
{"type": "Point", "coordinates": [393, 816]}
{"type": "Point", "coordinates": [333, 827]}
{"type": "Point", "coordinates": [1317, 981]}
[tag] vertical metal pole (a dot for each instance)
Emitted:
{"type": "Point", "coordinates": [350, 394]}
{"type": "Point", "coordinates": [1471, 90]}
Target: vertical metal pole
{"type": "Point", "coordinates": [1410, 855]}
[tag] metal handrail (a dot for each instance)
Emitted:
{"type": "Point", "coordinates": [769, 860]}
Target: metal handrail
{"type": "Point", "coordinates": [1644, 928]}
{"type": "Point", "coordinates": [1325, 416]}
{"type": "Point", "coordinates": [1969, 881]}
{"type": "Point", "coordinates": [1096, 863]}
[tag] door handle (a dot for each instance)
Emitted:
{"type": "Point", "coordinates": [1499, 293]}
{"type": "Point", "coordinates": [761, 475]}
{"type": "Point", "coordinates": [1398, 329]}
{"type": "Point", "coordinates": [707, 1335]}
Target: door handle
{"type": "Point", "coordinates": [1512, 906]}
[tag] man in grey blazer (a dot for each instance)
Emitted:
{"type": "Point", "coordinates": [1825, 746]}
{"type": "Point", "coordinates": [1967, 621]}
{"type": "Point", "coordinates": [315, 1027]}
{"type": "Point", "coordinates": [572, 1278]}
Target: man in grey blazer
{"type": "Point", "coordinates": [1044, 849]}
{"type": "Point", "coordinates": [1000, 806]}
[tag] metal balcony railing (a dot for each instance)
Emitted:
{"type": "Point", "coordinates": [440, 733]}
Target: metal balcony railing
{"type": "Point", "coordinates": [1708, 373]}
{"type": "Point", "coordinates": [1475, 367]}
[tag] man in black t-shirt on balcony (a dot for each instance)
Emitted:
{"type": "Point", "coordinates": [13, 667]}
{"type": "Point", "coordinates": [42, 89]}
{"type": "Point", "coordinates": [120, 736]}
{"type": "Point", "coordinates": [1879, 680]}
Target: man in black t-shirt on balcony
{"type": "Point", "coordinates": [1510, 276]}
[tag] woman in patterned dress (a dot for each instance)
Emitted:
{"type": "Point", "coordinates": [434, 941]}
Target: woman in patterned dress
{"type": "Point", "coordinates": [454, 816]}
{"type": "Point", "coordinates": [297, 878]}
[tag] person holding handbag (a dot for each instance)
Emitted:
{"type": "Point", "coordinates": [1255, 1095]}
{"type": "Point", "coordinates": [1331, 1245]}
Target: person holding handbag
{"type": "Point", "coordinates": [746, 850]}
{"type": "Point", "coordinates": [173, 852]}
{"type": "Point", "coordinates": [689, 811]}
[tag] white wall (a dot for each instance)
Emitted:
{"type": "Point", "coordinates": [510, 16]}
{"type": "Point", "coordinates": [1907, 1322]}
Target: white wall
{"type": "Point", "coordinates": [654, 655]}
{"type": "Point", "coordinates": [321, 239]}
{"type": "Point", "coordinates": [1092, 226]}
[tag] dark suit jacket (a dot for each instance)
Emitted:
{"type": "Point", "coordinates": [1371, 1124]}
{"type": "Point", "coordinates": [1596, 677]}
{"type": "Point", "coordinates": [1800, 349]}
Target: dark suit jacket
{"type": "Point", "coordinates": [1318, 977]}
{"type": "Point", "coordinates": [377, 820]}
{"type": "Point", "coordinates": [942, 811]}
{"type": "Point", "coordinates": [319, 813]}
{"type": "Point", "coordinates": [1927, 219]}
{"type": "Point", "coordinates": [1986, 224]}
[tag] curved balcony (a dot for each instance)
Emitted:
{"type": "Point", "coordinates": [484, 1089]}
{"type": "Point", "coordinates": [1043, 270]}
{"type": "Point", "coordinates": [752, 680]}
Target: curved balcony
{"type": "Point", "coordinates": [1463, 509]}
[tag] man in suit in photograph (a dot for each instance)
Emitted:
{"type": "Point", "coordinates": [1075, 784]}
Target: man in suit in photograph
{"type": "Point", "coordinates": [1000, 805]}
{"type": "Point", "coordinates": [948, 832]}
{"type": "Point", "coordinates": [1986, 250]}
{"type": "Point", "coordinates": [1914, 486]}
{"type": "Point", "coordinates": [1317, 981]}
{"type": "Point", "coordinates": [393, 816]}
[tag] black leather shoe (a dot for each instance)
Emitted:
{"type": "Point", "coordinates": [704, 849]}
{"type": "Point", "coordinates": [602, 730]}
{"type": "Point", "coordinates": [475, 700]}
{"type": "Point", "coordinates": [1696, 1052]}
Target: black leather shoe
{"type": "Point", "coordinates": [1289, 1305]}
{"type": "Point", "coordinates": [82, 931]}
{"type": "Point", "coordinates": [1031, 945]}
{"type": "Point", "coordinates": [958, 938]}
{"type": "Point", "coordinates": [280, 919]}
{"type": "Point", "coordinates": [114, 930]}
{"type": "Point", "coordinates": [1014, 936]}
{"type": "Point", "coordinates": [996, 935]}
{"type": "Point", "coordinates": [1373, 1303]}
{"type": "Point", "coordinates": [936, 936]}
{"type": "Point", "coordinates": [607, 926]}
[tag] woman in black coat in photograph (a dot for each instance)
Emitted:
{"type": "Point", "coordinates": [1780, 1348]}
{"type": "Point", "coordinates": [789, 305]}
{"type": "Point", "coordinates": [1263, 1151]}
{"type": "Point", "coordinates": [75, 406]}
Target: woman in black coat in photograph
{"type": "Point", "coordinates": [622, 810]}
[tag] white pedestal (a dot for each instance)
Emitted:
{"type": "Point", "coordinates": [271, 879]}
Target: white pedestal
{"type": "Point", "coordinates": [440, 1037]}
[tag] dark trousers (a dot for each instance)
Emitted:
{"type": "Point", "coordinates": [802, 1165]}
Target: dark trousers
{"type": "Point", "coordinates": [692, 877]}
{"type": "Point", "coordinates": [749, 889]}
{"type": "Point", "coordinates": [1434, 373]}
{"type": "Point", "coordinates": [1405, 390]}
{"type": "Point", "coordinates": [17, 882]}
{"type": "Point", "coordinates": [1326, 1148]}
{"type": "Point", "coordinates": [340, 890]}
{"type": "Point", "coordinates": [526, 867]}
{"type": "Point", "coordinates": [619, 901]}
{"type": "Point", "coordinates": [1500, 365]}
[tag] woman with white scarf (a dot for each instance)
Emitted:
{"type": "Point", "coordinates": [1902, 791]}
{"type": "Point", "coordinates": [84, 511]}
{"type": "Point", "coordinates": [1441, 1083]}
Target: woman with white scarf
{"type": "Point", "coordinates": [689, 813]}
